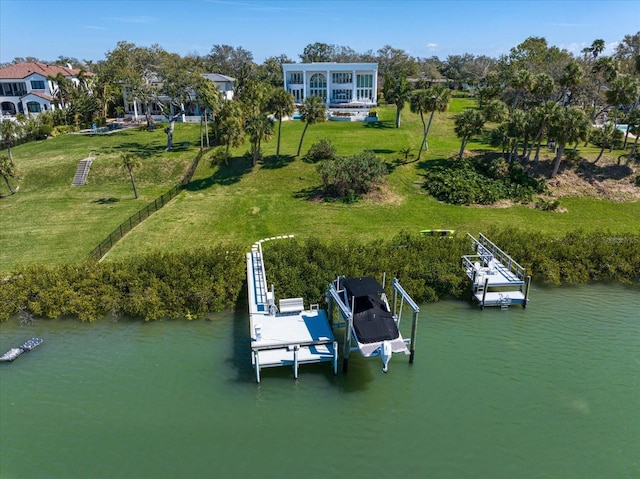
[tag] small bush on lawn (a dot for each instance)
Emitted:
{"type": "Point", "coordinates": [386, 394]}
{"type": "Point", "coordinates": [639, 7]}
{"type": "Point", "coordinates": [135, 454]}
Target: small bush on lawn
{"type": "Point", "coordinates": [350, 178]}
{"type": "Point", "coordinates": [321, 150]}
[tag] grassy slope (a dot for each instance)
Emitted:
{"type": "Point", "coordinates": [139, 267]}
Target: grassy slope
{"type": "Point", "coordinates": [50, 221]}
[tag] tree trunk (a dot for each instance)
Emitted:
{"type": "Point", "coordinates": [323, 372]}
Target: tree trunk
{"type": "Point", "coordinates": [6, 180]}
{"type": "Point", "coordinates": [464, 143]}
{"type": "Point", "coordinates": [201, 133]}
{"type": "Point", "coordinates": [302, 138]}
{"type": "Point", "coordinates": [169, 132]}
{"type": "Point", "coordinates": [556, 163]}
{"type": "Point", "coordinates": [397, 117]}
{"type": "Point", "coordinates": [206, 127]}
{"type": "Point", "coordinates": [279, 130]}
{"type": "Point", "coordinates": [133, 182]}
{"type": "Point", "coordinates": [151, 125]}
{"type": "Point", "coordinates": [226, 155]}
{"type": "Point", "coordinates": [599, 155]}
{"type": "Point", "coordinates": [424, 136]}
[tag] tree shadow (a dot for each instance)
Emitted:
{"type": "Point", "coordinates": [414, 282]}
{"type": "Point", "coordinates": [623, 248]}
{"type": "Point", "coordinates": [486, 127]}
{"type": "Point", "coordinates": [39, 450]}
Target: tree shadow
{"type": "Point", "coordinates": [106, 201]}
{"type": "Point", "coordinates": [273, 163]}
{"type": "Point", "coordinates": [312, 193]}
{"type": "Point", "coordinates": [225, 174]}
{"type": "Point", "coordinates": [380, 124]}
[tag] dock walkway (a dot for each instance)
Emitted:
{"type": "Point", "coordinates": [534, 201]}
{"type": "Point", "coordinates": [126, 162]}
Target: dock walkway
{"type": "Point", "coordinates": [289, 335]}
{"type": "Point", "coordinates": [496, 279]}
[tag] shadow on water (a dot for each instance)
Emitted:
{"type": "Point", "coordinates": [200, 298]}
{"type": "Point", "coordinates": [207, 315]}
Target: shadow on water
{"type": "Point", "coordinates": [241, 359]}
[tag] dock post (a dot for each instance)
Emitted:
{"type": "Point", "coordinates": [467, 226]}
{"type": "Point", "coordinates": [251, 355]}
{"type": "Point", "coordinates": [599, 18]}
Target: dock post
{"type": "Point", "coordinates": [526, 292]}
{"type": "Point", "coordinates": [257, 366]}
{"type": "Point", "coordinates": [484, 292]}
{"type": "Point", "coordinates": [347, 336]}
{"type": "Point", "coordinates": [414, 327]}
{"type": "Point", "coordinates": [295, 361]}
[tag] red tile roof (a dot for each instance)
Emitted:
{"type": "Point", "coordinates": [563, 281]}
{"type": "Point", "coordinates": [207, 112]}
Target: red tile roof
{"type": "Point", "coordinates": [38, 94]}
{"type": "Point", "coordinates": [23, 70]}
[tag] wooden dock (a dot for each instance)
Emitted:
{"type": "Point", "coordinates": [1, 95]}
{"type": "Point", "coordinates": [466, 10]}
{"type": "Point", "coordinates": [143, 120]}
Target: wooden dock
{"type": "Point", "coordinates": [496, 279]}
{"type": "Point", "coordinates": [287, 334]}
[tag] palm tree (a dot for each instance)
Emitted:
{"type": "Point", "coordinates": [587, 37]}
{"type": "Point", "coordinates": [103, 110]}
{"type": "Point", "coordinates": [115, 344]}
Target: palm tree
{"type": "Point", "coordinates": [467, 124]}
{"type": "Point", "coordinates": [7, 170]}
{"type": "Point", "coordinates": [313, 110]}
{"type": "Point", "coordinates": [605, 137]}
{"type": "Point", "coordinates": [567, 125]}
{"type": "Point", "coordinates": [397, 90]}
{"type": "Point", "coordinates": [521, 83]}
{"type": "Point", "coordinates": [516, 128]}
{"type": "Point", "coordinates": [541, 116]}
{"type": "Point", "coordinates": [130, 162]}
{"type": "Point", "coordinates": [281, 103]}
{"type": "Point", "coordinates": [571, 77]}
{"type": "Point", "coordinates": [430, 100]}
{"type": "Point", "coordinates": [259, 128]}
{"type": "Point", "coordinates": [231, 127]}
{"type": "Point", "coordinates": [623, 90]}
{"type": "Point", "coordinates": [10, 130]}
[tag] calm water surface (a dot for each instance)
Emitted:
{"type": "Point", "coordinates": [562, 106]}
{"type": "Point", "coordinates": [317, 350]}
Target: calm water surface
{"type": "Point", "coordinates": [552, 391]}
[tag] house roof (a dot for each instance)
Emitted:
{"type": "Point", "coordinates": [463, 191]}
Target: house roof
{"type": "Point", "coordinates": [218, 77]}
{"type": "Point", "coordinates": [39, 95]}
{"type": "Point", "coordinates": [23, 70]}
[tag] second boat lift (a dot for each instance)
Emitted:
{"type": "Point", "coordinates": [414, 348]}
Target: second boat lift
{"type": "Point", "coordinates": [371, 325]}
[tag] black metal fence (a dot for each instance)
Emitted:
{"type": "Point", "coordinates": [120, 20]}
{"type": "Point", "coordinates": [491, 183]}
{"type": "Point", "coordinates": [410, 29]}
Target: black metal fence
{"type": "Point", "coordinates": [103, 248]}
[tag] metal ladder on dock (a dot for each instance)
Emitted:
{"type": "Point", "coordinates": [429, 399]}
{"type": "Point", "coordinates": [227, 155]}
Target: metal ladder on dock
{"type": "Point", "coordinates": [259, 277]}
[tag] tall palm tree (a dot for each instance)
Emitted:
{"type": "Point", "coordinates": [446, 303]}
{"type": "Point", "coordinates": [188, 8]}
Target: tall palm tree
{"type": "Point", "coordinates": [231, 127]}
{"type": "Point", "coordinates": [313, 110]}
{"type": "Point", "coordinates": [397, 90]}
{"type": "Point", "coordinates": [281, 103]}
{"type": "Point", "coordinates": [130, 162]}
{"type": "Point", "coordinates": [430, 100]}
{"type": "Point", "coordinates": [567, 125]}
{"type": "Point", "coordinates": [516, 127]}
{"type": "Point", "coordinates": [467, 124]}
{"type": "Point", "coordinates": [605, 137]}
{"type": "Point", "coordinates": [259, 128]}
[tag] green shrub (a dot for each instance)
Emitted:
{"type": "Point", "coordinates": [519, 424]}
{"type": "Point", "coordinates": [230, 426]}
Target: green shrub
{"type": "Point", "coordinates": [469, 181]}
{"type": "Point", "coordinates": [323, 149]}
{"type": "Point", "coordinates": [350, 178]}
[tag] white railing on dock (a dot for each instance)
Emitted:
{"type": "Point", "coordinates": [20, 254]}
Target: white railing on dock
{"type": "Point", "coordinates": [487, 251]}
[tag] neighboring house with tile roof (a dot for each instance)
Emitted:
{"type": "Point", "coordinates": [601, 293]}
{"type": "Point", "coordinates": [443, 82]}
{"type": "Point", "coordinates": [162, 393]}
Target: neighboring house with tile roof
{"type": "Point", "coordinates": [29, 87]}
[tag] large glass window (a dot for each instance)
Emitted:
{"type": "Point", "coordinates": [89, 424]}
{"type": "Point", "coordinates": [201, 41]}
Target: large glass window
{"type": "Point", "coordinates": [345, 77]}
{"type": "Point", "coordinates": [295, 78]}
{"type": "Point", "coordinates": [37, 84]}
{"type": "Point", "coordinates": [339, 96]}
{"type": "Point", "coordinates": [318, 86]}
{"type": "Point", "coordinates": [13, 89]}
{"type": "Point", "coordinates": [365, 81]}
{"type": "Point", "coordinates": [33, 107]}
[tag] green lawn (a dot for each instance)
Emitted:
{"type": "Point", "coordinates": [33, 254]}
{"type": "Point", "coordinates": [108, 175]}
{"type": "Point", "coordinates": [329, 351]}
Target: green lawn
{"type": "Point", "coordinates": [50, 221]}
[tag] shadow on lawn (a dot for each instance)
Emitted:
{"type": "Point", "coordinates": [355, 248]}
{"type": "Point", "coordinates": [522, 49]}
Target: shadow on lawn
{"type": "Point", "coordinates": [224, 175]}
{"type": "Point", "coordinates": [379, 125]}
{"type": "Point", "coordinates": [313, 193]}
{"type": "Point", "coordinates": [106, 201]}
{"type": "Point", "coordinates": [273, 163]}
{"type": "Point", "coordinates": [148, 150]}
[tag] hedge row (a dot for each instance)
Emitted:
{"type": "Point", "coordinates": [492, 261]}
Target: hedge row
{"type": "Point", "coordinates": [196, 282]}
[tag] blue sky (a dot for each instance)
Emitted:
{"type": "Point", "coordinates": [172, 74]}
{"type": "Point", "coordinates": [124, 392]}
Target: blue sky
{"type": "Point", "coordinates": [88, 29]}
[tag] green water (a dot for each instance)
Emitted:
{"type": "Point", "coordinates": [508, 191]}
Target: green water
{"type": "Point", "coordinates": [552, 391]}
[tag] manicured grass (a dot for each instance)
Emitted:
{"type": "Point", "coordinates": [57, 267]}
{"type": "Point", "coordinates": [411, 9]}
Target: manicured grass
{"type": "Point", "coordinates": [49, 221]}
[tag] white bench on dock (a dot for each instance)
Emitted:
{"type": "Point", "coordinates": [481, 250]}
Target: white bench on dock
{"type": "Point", "coordinates": [291, 305]}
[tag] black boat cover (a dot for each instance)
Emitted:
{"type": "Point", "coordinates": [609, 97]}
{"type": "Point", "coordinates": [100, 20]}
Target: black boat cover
{"type": "Point", "coordinates": [372, 321]}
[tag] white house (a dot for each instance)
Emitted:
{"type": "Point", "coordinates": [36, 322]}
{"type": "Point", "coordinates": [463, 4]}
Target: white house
{"type": "Point", "coordinates": [133, 108]}
{"type": "Point", "coordinates": [28, 88]}
{"type": "Point", "coordinates": [338, 84]}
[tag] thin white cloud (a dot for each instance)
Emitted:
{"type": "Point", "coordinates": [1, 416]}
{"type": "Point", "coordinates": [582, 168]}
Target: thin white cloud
{"type": "Point", "coordinates": [432, 46]}
{"type": "Point", "coordinates": [139, 19]}
{"type": "Point", "coordinates": [94, 27]}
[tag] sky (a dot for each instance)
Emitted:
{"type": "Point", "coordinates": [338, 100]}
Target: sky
{"type": "Point", "coordinates": [89, 29]}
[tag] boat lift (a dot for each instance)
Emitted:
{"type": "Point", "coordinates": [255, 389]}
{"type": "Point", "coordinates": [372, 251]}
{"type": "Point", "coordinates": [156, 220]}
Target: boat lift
{"type": "Point", "coordinates": [383, 349]}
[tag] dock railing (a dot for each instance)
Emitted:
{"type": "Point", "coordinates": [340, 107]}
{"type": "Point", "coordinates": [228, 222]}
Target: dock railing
{"type": "Point", "coordinates": [487, 250]}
